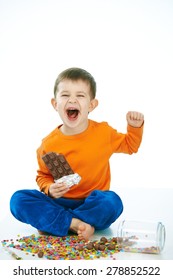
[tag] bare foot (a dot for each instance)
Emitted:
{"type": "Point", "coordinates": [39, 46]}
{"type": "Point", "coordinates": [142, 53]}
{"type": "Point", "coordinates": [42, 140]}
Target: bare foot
{"type": "Point", "coordinates": [84, 230]}
{"type": "Point", "coordinates": [42, 232]}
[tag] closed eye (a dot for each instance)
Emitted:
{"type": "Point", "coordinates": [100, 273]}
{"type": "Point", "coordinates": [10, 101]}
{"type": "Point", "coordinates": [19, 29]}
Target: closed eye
{"type": "Point", "coordinates": [80, 95]}
{"type": "Point", "coordinates": [64, 95]}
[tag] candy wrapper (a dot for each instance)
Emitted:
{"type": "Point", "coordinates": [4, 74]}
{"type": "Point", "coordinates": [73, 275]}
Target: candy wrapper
{"type": "Point", "coordinates": [70, 180]}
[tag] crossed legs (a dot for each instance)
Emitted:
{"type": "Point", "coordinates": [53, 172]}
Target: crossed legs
{"type": "Point", "coordinates": [58, 216]}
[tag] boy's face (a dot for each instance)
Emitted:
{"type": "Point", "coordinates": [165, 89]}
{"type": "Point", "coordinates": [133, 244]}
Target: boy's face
{"type": "Point", "coordinates": [73, 103]}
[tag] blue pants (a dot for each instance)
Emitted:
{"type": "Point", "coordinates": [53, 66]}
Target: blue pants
{"type": "Point", "coordinates": [100, 209]}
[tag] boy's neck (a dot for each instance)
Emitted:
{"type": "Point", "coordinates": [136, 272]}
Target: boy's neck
{"type": "Point", "coordinates": [73, 131]}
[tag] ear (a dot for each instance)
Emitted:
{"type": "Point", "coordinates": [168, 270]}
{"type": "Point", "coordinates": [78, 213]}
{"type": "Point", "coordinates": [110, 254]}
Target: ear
{"type": "Point", "coordinates": [54, 103]}
{"type": "Point", "coordinates": [93, 105]}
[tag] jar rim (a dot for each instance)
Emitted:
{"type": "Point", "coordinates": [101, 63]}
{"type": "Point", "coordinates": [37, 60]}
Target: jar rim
{"type": "Point", "coordinates": [161, 235]}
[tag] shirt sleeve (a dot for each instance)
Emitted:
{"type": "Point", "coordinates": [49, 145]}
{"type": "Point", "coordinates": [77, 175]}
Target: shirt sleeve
{"type": "Point", "coordinates": [128, 143]}
{"type": "Point", "coordinates": [44, 179]}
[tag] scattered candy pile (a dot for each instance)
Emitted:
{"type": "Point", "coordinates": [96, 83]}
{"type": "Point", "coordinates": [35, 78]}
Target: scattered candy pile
{"type": "Point", "coordinates": [64, 248]}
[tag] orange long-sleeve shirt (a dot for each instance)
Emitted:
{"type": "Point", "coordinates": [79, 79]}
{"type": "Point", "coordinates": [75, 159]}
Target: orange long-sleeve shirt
{"type": "Point", "coordinates": [88, 154]}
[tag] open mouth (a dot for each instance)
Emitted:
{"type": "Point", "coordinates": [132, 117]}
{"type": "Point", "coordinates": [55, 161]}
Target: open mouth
{"type": "Point", "coordinates": [72, 114]}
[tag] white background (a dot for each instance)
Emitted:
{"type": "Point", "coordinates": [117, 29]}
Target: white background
{"type": "Point", "coordinates": [126, 45]}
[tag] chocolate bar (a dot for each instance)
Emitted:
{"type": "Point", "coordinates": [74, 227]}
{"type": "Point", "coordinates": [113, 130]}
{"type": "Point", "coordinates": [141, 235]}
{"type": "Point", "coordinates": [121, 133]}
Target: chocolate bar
{"type": "Point", "coordinates": [57, 165]}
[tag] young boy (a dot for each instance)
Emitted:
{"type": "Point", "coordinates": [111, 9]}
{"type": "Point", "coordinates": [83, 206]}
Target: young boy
{"type": "Point", "coordinates": [87, 146]}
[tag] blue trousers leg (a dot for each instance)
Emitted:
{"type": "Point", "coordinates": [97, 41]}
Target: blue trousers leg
{"type": "Point", "coordinates": [54, 216]}
{"type": "Point", "coordinates": [100, 209]}
{"type": "Point", "coordinates": [40, 211]}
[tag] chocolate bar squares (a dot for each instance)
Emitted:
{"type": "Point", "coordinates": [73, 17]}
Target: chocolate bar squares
{"type": "Point", "coordinates": [57, 165]}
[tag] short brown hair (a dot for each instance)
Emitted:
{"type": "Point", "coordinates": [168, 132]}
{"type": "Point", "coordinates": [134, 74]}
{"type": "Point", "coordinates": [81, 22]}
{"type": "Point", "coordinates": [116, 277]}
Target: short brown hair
{"type": "Point", "coordinates": [76, 74]}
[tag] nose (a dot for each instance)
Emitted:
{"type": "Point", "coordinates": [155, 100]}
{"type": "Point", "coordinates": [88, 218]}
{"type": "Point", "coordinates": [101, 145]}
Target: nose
{"type": "Point", "coordinates": [72, 99]}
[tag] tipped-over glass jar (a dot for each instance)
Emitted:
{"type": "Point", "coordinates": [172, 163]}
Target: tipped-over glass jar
{"type": "Point", "coordinates": [141, 236]}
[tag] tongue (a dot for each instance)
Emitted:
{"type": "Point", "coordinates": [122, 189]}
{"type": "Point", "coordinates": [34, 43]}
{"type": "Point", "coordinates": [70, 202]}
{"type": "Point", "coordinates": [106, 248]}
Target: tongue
{"type": "Point", "coordinates": [72, 114]}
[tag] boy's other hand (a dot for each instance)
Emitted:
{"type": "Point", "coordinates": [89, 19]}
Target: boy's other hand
{"type": "Point", "coordinates": [57, 190]}
{"type": "Point", "coordinates": [135, 119]}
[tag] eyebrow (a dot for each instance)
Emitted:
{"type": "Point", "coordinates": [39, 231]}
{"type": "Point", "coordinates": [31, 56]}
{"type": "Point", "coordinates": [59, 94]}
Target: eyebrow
{"type": "Point", "coordinates": [80, 91]}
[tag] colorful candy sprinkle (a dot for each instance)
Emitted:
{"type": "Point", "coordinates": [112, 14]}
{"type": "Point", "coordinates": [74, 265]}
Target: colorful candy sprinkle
{"type": "Point", "coordinates": [64, 248]}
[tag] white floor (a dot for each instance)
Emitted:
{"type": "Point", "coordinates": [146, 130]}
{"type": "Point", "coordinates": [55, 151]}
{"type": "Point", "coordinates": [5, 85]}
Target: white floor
{"type": "Point", "coordinates": [139, 204]}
